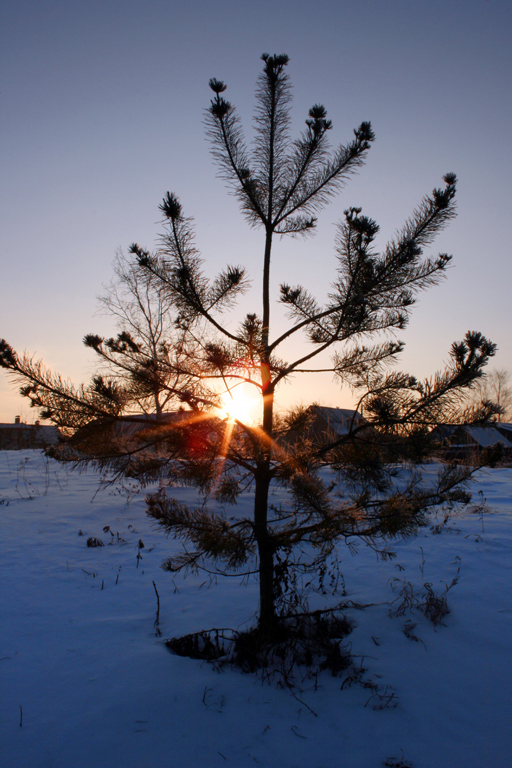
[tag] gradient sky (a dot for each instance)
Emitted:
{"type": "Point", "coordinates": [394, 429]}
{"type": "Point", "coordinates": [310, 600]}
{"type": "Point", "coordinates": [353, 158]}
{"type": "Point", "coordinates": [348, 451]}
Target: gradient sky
{"type": "Point", "coordinates": [102, 109]}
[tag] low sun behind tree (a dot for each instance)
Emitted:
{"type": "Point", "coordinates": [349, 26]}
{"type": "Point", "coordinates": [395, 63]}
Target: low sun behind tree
{"type": "Point", "coordinates": [198, 355]}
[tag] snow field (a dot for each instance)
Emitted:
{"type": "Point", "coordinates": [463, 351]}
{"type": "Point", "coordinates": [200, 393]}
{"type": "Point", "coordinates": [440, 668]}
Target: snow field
{"type": "Point", "coordinates": [86, 683]}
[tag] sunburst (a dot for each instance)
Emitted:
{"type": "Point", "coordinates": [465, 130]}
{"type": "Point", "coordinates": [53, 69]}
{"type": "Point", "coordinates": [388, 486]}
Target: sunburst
{"type": "Point", "coordinates": [241, 403]}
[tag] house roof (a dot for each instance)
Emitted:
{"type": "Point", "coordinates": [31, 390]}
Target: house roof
{"type": "Point", "coordinates": [17, 435]}
{"type": "Point", "coordinates": [337, 419]}
{"type": "Point", "coordinates": [484, 437]}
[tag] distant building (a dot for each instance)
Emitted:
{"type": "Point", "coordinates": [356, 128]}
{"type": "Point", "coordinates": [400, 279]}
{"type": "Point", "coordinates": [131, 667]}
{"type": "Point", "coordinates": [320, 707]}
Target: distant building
{"type": "Point", "coordinates": [333, 423]}
{"type": "Point", "coordinates": [133, 432]}
{"type": "Point", "coordinates": [467, 440]}
{"type": "Point", "coordinates": [505, 430]}
{"type": "Point", "coordinates": [18, 436]}
{"type": "Point", "coordinates": [322, 425]}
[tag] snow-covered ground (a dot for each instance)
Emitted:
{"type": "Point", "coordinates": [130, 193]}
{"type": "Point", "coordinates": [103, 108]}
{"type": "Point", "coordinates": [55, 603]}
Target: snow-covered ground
{"type": "Point", "coordinates": [86, 683]}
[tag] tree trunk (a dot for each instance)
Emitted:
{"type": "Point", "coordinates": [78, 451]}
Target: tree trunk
{"type": "Point", "coordinates": [267, 614]}
{"type": "Point", "coordinates": [267, 617]}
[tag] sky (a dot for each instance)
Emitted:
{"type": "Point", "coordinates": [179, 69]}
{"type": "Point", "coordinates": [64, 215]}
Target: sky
{"type": "Point", "coordinates": [102, 109]}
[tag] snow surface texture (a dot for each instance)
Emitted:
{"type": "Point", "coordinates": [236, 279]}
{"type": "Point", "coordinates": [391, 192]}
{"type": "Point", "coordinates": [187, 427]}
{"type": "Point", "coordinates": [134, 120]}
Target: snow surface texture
{"type": "Point", "coordinates": [86, 683]}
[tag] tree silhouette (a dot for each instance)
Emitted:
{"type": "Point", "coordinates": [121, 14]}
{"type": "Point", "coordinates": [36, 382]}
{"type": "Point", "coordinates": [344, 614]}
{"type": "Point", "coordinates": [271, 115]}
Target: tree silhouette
{"type": "Point", "coordinates": [493, 389]}
{"type": "Point", "coordinates": [280, 184]}
{"type": "Point", "coordinates": [148, 353]}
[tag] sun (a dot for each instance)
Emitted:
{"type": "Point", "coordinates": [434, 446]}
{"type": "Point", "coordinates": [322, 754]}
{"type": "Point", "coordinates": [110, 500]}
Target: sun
{"type": "Point", "coordinates": [240, 403]}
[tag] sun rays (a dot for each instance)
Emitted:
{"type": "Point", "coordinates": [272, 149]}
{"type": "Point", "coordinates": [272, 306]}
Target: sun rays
{"type": "Point", "coordinates": [241, 403]}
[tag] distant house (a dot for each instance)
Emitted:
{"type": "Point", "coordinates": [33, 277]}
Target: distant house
{"type": "Point", "coordinates": [334, 423]}
{"type": "Point", "coordinates": [130, 426]}
{"type": "Point", "coordinates": [505, 430]}
{"type": "Point", "coordinates": [465, 440]}
{"type": "Point", "coordinates": [323, 425]}
{"type": "Point", "coordinates": [138, 432]}
{"type": "Point", "coordinates": [18, 436]}
{"type": "Point", "coordinates": [127, 431]}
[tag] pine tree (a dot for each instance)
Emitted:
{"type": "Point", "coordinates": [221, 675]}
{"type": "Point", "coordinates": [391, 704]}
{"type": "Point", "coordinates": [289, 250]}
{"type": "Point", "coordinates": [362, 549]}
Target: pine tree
{"type": "Point", "coordinates": [280, 184]}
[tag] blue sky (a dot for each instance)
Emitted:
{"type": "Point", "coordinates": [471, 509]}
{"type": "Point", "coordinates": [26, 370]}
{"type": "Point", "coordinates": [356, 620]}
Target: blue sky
{"type": "Point", "coordinates": [102, 108]}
